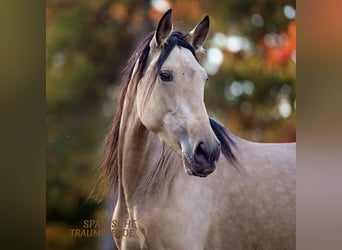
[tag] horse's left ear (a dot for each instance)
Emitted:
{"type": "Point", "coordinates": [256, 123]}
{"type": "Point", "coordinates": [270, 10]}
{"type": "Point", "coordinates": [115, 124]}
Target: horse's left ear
{"type": "Point", "coordinates": [198, 35]}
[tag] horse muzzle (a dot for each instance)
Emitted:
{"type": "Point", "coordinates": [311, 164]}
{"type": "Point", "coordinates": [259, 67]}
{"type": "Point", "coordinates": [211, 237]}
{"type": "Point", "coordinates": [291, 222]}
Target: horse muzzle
{"type": "Point", "coordinates": [202, 161]}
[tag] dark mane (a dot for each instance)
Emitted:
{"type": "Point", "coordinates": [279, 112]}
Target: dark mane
{"type": "Point", "coordinates": [108, 174]}
{"type": "Point", "coordinates": [227, 142]}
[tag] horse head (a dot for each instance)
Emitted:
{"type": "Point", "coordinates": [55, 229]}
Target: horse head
{"type": "Point", "coordinates": [170, 96]}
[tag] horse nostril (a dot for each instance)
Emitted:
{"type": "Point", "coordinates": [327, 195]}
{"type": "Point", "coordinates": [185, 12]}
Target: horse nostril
{"type": "Point", "coordinates": [204, 154]}
{"type": "Point", "coordinates": [201, 151]}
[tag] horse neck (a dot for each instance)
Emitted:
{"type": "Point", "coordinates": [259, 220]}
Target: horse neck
{"type": "Point", "coordinates": [143, 158]}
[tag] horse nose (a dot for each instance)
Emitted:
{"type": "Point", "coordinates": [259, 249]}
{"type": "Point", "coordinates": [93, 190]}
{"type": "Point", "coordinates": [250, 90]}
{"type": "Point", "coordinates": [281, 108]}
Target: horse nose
{"type": "Point", "coordinates": [207, 154]}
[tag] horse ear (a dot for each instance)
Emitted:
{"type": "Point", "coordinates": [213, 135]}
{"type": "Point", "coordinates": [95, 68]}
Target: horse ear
{"type": "Point", "coordinates": [198, 35]}
{"type": "Point", "coordinates": [163, 31]}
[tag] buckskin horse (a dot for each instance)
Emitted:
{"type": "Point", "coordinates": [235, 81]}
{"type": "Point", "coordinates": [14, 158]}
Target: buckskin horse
{"type": "Point", "coordinates": [162, 157]}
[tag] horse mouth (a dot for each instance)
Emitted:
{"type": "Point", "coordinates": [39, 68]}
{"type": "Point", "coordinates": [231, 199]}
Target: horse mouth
{"type": "Point", "coordinates": [191, 167]}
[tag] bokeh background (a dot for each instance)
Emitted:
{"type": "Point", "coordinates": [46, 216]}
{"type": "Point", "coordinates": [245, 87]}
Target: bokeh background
{"type": "Point", "coordinates": [250, 58]}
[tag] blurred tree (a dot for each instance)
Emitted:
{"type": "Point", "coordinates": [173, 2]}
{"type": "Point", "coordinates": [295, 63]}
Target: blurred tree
{"type": "Point", "coordinates": [250, 59]}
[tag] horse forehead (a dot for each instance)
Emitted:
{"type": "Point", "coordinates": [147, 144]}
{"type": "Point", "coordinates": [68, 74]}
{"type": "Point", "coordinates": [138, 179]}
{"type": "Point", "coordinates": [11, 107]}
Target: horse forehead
{"type": "Point", "coordinates": [184, 59]}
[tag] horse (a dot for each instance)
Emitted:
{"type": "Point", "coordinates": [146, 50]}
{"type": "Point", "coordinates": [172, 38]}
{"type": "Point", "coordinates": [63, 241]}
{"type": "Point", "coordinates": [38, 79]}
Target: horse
{"type": "Point", "coordinates": [185, 180]}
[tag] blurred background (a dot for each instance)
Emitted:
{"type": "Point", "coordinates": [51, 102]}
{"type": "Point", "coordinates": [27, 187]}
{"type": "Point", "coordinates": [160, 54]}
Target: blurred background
{"type": "Point", "coordinates": [250, 58]}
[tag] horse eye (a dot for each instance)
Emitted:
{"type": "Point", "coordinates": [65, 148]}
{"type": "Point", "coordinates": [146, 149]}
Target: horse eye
{"type": "Point", "coordinates": [166, 75]}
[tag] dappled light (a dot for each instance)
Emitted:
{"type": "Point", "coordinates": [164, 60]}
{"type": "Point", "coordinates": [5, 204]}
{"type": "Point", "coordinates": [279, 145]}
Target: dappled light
{"type": "Point", "coordinates": [214, 58]}
{"type": "Point", "coordinates": [289, 11]}
{"type": "Point", "coordinates": [160, 5]}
